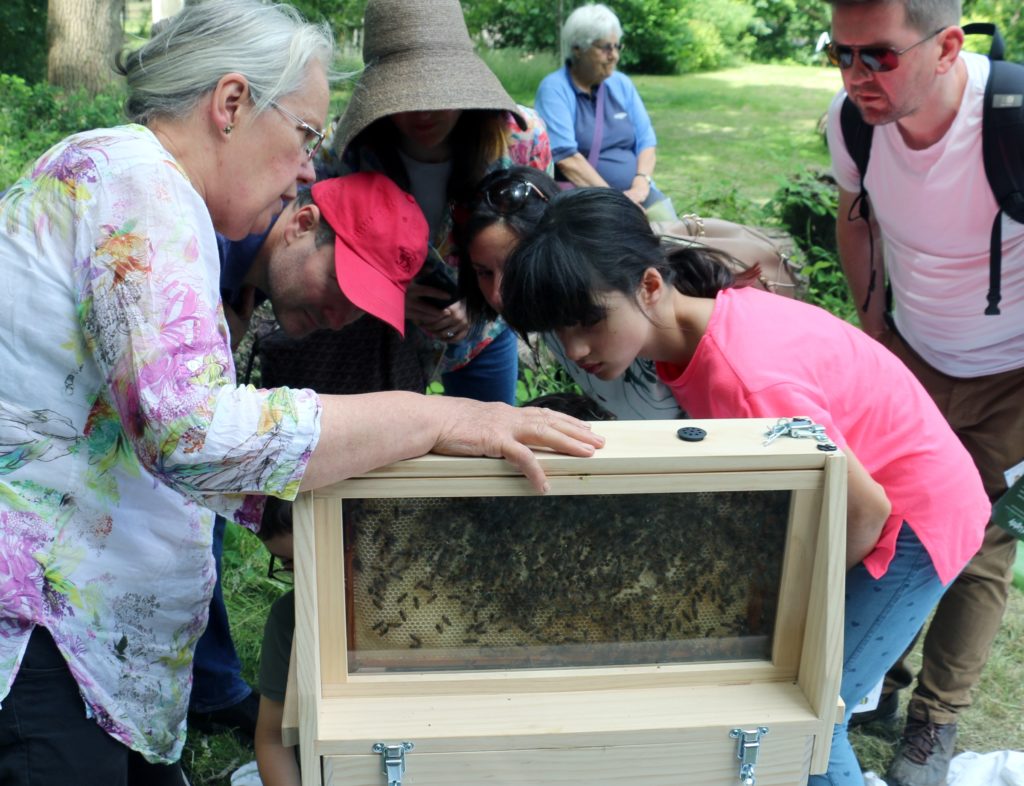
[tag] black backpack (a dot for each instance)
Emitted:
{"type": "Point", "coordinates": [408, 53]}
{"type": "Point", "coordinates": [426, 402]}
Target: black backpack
{"type": "Point", "coordinates": [1002, 144]}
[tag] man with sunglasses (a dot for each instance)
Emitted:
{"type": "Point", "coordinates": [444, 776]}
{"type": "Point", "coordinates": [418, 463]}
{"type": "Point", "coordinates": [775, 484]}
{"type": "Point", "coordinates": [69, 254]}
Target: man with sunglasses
{"type": "Point", "coordinates": [931, 214]}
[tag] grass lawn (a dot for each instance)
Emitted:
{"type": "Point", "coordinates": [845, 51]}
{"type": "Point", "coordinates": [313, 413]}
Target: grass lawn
{"type": "Point", "coordinates": [734, 135]}
{"type": "Point", "coordinates": [726, 142]}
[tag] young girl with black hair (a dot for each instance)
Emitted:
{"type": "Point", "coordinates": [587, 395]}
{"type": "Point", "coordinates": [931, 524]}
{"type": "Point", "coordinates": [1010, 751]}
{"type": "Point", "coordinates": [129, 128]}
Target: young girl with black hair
{"type": "Point", "coordinates": [595, 274]}
{"type": "Point", "coordinates": [506, 207]}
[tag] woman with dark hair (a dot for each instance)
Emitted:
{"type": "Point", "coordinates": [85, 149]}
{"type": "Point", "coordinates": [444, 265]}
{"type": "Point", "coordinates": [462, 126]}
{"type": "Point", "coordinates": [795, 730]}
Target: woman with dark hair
{"type": "Point", "coordinates": [430, 114]}
{"type": "Point", "coordinates": [507, 206]}
{"type": "Point", "coordinates": [595, 274]}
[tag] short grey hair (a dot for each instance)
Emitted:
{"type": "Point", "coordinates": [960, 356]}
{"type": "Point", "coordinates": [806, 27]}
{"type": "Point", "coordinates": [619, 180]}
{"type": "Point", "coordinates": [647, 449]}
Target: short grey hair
{"type": "Point", "coordinates": [587, 24]}
{"type": "Point", "coordinates": [925, 16]}
{"type": "Point", "coordinates": [270, 45]}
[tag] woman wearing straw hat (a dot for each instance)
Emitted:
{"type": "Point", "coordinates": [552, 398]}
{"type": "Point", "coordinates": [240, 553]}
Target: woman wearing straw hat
{"type": "Point", "coordinates": [430, 114]}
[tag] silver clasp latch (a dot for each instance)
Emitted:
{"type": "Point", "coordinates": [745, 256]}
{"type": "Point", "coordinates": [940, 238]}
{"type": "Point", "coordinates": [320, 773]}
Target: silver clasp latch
{"type": "Point", "coordinates": [394, 760]}
{"type": "Point", "coordinates": [748, 743]}
{"type": "Point", "coordinates": [799, 428]}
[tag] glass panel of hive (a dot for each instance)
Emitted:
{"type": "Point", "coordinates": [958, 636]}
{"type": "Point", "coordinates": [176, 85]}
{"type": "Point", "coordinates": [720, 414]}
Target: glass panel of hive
{"type": "Point", "coordinates": [562, 581]}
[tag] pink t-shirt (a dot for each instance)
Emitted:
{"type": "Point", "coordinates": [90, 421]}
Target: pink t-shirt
{"type": "Point", "coordinates": [769, 356]}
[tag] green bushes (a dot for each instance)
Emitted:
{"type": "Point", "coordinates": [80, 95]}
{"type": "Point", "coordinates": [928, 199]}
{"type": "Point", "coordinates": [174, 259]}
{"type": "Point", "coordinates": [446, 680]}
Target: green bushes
{"type": "Point", "coordinates": [1008, 15]}
{"type": "Point", "coordinates": [655, 35]}
{"type": "Point", "coordinates": [719, 35]}
{"type": "Point", "coordinates": [35, 117]}
{"type": "Point", "coordinates": [787, 30]}
{"type": "Point", "coordinates": [661, 36]}
{"type": "Point", "coordinates": [805, 206]}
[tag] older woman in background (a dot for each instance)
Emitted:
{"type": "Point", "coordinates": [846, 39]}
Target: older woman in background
{"type": "Point", "coordinates": [121, 427]}
{"type": "Point", "coordinates": [600, 132]}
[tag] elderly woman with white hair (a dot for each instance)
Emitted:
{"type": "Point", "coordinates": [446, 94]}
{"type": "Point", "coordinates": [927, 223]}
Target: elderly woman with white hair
{"type": "Point", "coordinates": [599, 129]}
{"type": "Point", "coordinates": [122, 428]}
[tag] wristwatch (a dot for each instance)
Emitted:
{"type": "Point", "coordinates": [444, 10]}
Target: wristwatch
{"type": "Point", "coordinates": [650, 181]}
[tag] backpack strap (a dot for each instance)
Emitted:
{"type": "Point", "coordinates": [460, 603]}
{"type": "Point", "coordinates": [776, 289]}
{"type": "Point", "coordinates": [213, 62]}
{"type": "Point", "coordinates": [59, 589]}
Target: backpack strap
{"type": "Point", "coordinates": [997, 50]}
{"type": "Point", "coordinates": [857, 136]}
{"type": "Point", "coordinates": [1002, 145]}
{"type": "Point", "coordinates": [1003, 152]}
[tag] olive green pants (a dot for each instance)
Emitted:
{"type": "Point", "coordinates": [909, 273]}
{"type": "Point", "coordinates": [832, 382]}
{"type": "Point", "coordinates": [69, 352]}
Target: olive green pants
{"type": "Point", "coordinates": [987, 414]}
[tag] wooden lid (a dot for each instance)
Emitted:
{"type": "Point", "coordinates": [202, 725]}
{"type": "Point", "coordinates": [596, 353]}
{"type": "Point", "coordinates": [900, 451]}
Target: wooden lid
{"type": "Point", "coordinates": [642, 447]}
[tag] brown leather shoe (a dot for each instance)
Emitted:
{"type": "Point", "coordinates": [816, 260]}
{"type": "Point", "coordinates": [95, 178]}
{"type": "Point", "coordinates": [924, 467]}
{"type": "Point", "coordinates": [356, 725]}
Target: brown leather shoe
{"type": "Point", "coordinates": [923, 754]}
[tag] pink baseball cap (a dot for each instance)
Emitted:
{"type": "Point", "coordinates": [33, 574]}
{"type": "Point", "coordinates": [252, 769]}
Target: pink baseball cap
{"type": "Point", "coordinates": [380, 241]}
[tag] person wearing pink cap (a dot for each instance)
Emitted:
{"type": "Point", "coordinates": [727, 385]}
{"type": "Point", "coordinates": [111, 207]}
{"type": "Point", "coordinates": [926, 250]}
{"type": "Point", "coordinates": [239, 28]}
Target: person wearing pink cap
{"type": "Point", "coordinates": [344, 247]}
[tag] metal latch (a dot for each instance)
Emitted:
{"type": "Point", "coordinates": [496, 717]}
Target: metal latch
{"type": "Point", "coordinates": [394, 760]}
{"type": "Point", "coordinates": [748, 743]}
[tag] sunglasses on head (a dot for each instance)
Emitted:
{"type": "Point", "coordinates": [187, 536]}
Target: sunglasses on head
{"type": "Point", "coordinates": [509, 196]}
{"type": "Point", "coordinates": [874, 58]}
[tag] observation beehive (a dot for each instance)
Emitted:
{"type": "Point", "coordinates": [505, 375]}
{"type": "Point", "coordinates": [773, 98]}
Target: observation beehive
{"type": "Point", "coordinates": [670, 612]}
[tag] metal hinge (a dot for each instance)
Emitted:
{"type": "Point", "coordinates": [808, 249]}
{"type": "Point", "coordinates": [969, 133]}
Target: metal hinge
{"type": "Point", "coordinates": [394, 760]}
{"type": "Point", "coordinates": [748, 743]}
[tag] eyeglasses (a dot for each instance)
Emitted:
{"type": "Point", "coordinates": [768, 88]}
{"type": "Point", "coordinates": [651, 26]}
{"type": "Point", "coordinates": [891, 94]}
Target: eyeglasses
{"type": "Point", "coordinates": [874, 58]}
{"type": "Point", "coordinates": [314, 138]}
{"type": "Point", "coordinates": [609, 48]}
{"type": "Point", "coordinates": [510, 196]}
{"type": "Point", "coordinates": [280, 570]}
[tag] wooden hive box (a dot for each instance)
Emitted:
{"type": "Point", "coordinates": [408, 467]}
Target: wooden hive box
{"type": "Point", "coordinates": [671, 613]}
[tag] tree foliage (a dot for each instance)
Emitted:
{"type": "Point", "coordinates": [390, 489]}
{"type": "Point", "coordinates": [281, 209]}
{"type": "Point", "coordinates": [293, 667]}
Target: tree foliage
{"type": "Point", "coordinates": [661, 36]}
{"type": "Point", "coordinates": [787, 30]}
{"type": "Point", "coordinates": [1008, 14]}
{"type": "Point", "coordinates": [343, 15]}
{"type": "Point", "coordinates": [23, 39]}
{"type": "Point", "coordinates": [33, 117]}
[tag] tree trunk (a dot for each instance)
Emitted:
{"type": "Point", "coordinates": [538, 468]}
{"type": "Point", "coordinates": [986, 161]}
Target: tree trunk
{"type": "Point", "coordinates": [83, 37]}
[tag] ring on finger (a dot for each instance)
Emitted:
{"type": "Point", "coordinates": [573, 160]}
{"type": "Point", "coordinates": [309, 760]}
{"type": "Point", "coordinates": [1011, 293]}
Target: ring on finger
{"type": "Point", "coordinates": [449, 334]}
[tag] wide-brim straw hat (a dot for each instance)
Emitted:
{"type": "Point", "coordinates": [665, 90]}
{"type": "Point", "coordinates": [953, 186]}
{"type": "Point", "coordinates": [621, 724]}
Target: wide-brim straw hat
{"type": "Point", "coordinates": [418, 57]}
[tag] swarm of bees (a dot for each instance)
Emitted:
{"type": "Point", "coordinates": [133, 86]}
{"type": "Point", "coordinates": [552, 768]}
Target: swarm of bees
{"type": "Point", "coordinates": [563, 580]}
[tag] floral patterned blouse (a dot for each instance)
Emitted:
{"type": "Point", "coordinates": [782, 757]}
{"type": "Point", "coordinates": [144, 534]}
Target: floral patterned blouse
{"type": "Point", "coordinates": [523, 147]}
{"type": "Point", "coordinates": [122, 430]}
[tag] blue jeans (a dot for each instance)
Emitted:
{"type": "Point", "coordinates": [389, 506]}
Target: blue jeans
{"type": "Point", "coordinates": [216, 671]}
{"type": "Point", "coordinates": [882, 617]}
{"type": "Point", "coordinates": [491, 375]}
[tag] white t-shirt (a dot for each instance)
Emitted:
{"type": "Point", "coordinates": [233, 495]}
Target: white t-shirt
{"type": "Point", "coordinates": [935, 210]}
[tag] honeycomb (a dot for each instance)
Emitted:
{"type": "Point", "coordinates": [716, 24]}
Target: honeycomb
{"type": "Point", "coordinates": [562, 580]}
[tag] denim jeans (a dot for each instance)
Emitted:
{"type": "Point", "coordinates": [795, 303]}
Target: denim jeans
{"type": "Point", "coordinates": [491, 375]}
{"type": "Point", "coordinates": [882, 617]}
{"type": "Point", "coordinates": [217, 680]}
